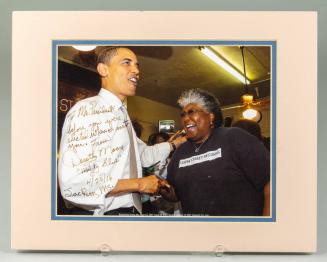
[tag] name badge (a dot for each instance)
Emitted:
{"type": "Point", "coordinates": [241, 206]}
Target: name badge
{"type": "Point", "coordinates": [208, 156]}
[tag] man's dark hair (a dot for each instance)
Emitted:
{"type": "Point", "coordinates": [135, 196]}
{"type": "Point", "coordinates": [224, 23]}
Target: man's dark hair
{"type": "Point", "coordinates": [107, 54]}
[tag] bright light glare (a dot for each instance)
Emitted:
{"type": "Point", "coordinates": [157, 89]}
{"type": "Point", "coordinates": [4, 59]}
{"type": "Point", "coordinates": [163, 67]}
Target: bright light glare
{"type": "Point", "coordinates": [84, 48]}
{"type": "Point", "coordinates": [223, 64]}
{"type": "Point", "coordinates": [250, 114]}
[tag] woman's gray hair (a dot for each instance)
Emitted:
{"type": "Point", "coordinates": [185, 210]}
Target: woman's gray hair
{"type": "Point", "coordinates": [204, 99]}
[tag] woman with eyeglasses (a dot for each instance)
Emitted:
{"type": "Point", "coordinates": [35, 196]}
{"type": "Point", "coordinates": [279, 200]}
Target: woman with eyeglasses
{"type": "Point", "coordinates": [218, 171]}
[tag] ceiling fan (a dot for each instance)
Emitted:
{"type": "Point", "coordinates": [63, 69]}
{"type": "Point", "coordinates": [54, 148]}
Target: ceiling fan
{"type": "Point", "coordinates": [248, 102]}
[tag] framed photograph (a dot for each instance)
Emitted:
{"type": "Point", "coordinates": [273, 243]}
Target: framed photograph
{"type": "Point", "coordinates": [75, 78]}
{"type": "Point", "coordinates": [68, 144]}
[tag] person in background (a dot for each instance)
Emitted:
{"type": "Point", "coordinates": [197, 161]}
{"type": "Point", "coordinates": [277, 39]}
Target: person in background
{"type": "Point", "coordinates": [218, 171]}
{"type": "Point", "coordinates": [157, 138]}
{"type": "Point", "coordinates": [250, 126]}
{"type": "Point", "coordinates": [254, 129]}
{"type": "Point", "coordinates": [156, 204]}
{"type": "Point", "coordinates": [138, 128]}
{"type": "Point", "coordinates": [100, 157]}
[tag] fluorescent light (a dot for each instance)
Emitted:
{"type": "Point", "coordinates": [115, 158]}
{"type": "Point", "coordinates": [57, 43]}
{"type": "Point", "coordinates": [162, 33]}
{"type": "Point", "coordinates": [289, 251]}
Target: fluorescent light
{"type": "Point", "coordinates": [214, 57]}
{"type": "Point", "coordinates": [84, 48]}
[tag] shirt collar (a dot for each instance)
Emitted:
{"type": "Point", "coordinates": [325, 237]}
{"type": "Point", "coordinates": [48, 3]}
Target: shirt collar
{"type": "Point", "coordinates": [110, 97]}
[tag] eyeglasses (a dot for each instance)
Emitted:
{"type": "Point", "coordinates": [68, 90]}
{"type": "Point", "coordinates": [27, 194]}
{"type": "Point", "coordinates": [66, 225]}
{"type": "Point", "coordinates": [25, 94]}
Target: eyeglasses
{"type": "Point", "coordinates": [190, 113]}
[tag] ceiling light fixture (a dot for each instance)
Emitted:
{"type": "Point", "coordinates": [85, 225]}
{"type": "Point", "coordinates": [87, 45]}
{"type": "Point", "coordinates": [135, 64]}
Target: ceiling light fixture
{"type": "Point", "coordinates": [247, 99]}
{"type": "Point", "coordinates": [250, 113]}
{"type": "Point", "coordinates": [84, 48]}
{"type": "Point", "coordinates": [221, 62]}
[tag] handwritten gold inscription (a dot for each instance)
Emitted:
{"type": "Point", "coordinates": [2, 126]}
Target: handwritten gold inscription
{"type": "Point", "coordinates": [93, 109]}
{"type": "Point", "coordinates": [90, 149]}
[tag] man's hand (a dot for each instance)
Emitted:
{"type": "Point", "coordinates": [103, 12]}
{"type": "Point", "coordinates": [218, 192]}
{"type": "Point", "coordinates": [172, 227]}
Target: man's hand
{"type": "Point", "coordinates": [164, 183]}
{"type": "Point", "coordinates": [150, 184]}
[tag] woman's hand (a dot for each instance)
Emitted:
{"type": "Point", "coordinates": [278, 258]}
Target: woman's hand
{"type": "Point", "coordinates": [178, 138]}
{"type": "Point", "coordinates": [168, 192]}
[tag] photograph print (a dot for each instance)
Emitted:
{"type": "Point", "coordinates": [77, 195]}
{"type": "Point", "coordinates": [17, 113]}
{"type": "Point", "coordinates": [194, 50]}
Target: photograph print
{"type": "Point", "coordinates": [164, 131]}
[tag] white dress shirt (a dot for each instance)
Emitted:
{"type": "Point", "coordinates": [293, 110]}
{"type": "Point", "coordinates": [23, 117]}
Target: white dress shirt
{"type": "Point", "coordinates": [94, 153]}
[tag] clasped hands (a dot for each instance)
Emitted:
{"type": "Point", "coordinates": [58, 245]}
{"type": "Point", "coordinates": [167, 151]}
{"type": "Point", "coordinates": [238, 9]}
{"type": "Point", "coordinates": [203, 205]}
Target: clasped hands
{"type": "Point", "coordinates": [152, 184]}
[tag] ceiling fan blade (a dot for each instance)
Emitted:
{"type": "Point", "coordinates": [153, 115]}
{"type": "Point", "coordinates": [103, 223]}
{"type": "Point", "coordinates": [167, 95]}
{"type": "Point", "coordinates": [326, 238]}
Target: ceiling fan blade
{"type": "Point", "coordinates": [232, 107]}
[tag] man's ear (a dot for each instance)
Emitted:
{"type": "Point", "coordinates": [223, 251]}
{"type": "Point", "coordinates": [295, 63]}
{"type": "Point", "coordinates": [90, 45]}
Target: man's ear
{"type": "Point", "coordinates": [103, 69]}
